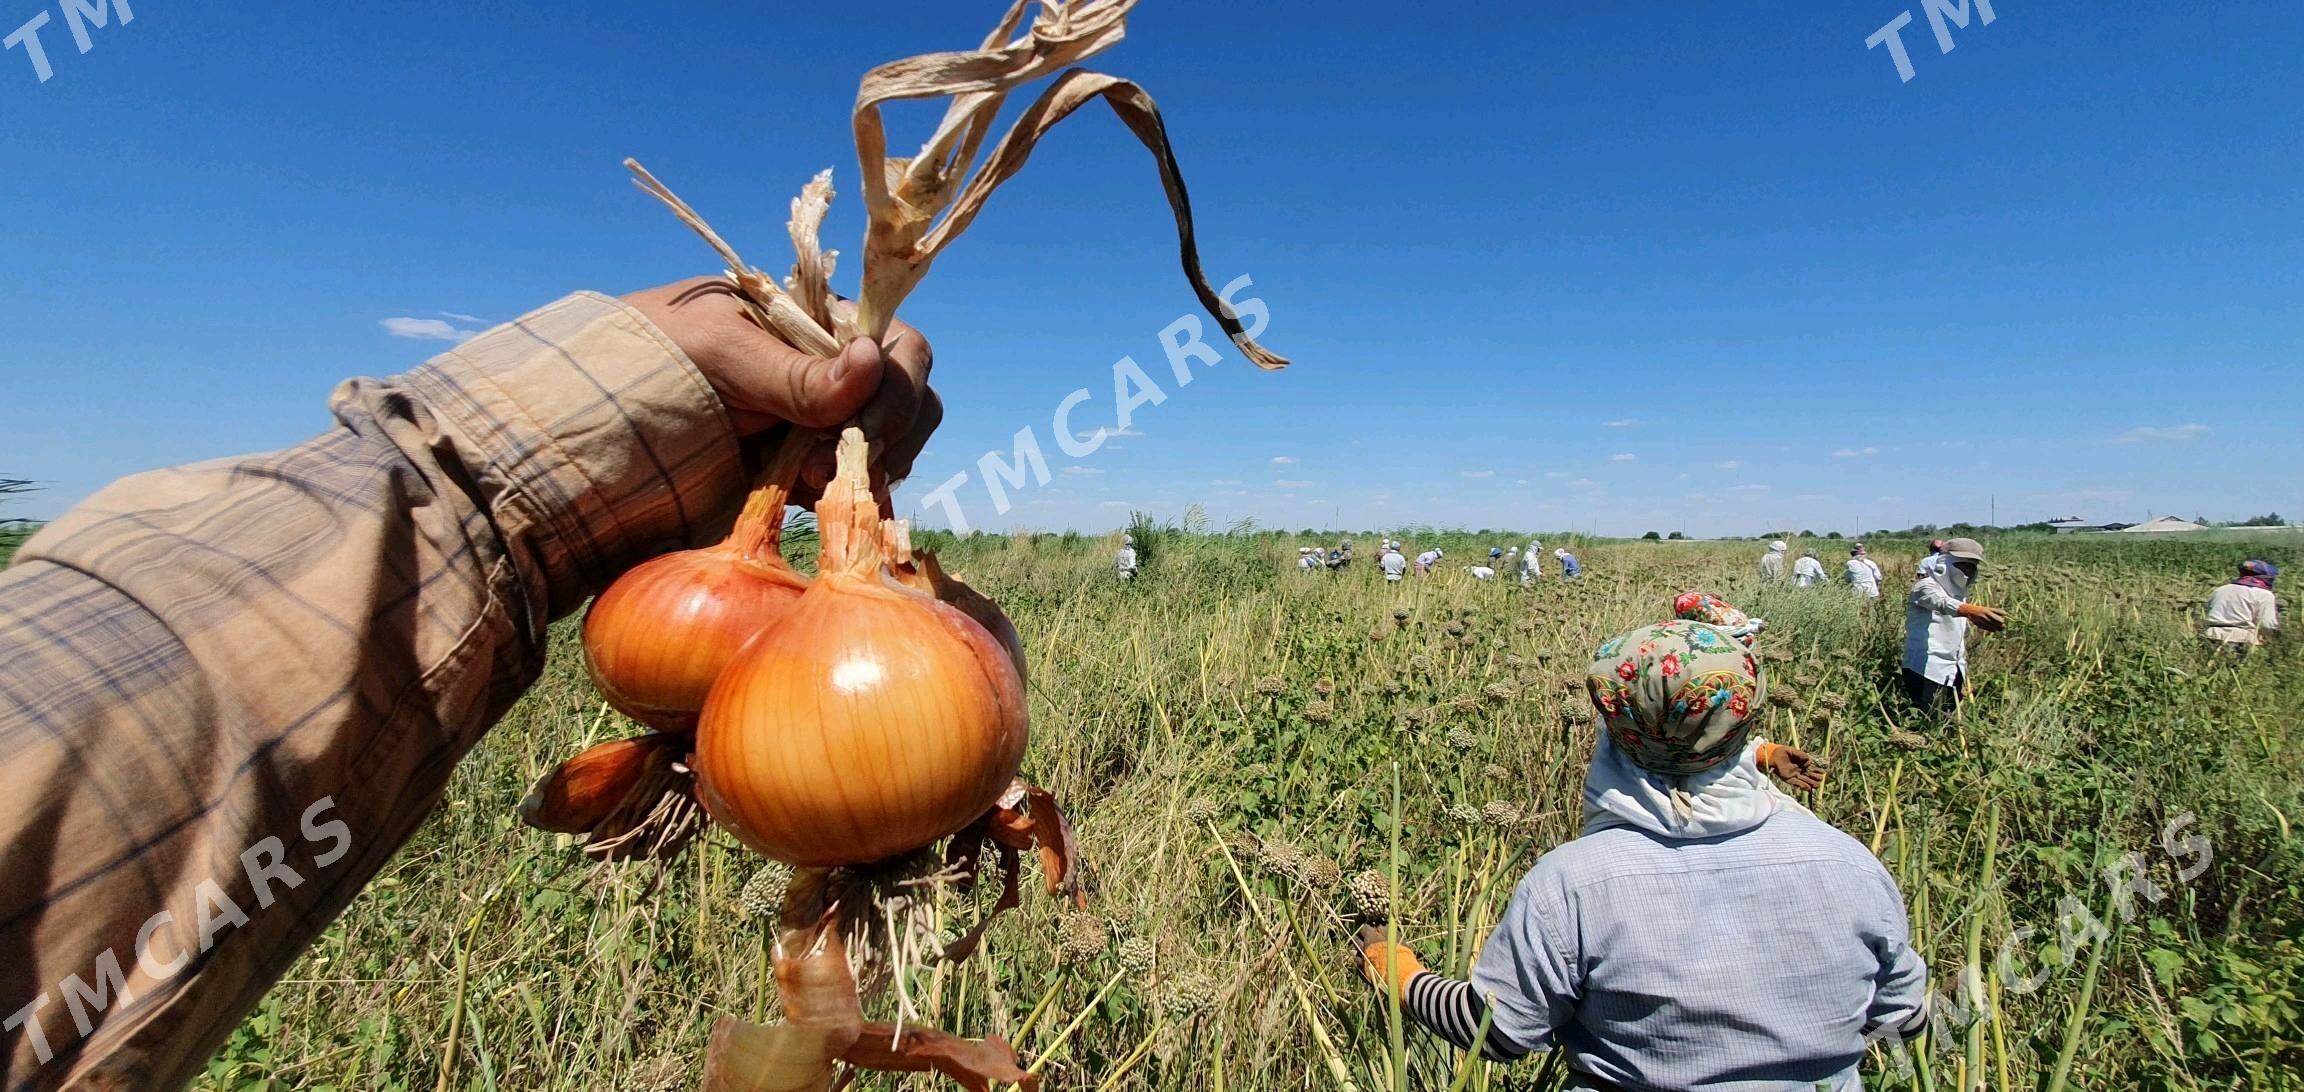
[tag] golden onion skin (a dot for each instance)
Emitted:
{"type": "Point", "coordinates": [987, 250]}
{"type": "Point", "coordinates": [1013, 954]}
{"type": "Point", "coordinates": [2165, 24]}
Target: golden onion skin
{"type": "Point", "coordinates": [869, 721]}
{"type": "Point", "coordinates": [657, 639]}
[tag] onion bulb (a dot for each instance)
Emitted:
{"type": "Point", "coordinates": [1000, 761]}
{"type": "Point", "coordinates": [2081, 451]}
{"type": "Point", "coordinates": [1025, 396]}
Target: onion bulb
{"type": "Point", "coordinates": [919, 569]}
{"type": "Point", "coordinates": [579, 794]}
{"type": "Point", "coordinates": [870, 719]}
{"type": "Point", "coordinates": [655, 641]}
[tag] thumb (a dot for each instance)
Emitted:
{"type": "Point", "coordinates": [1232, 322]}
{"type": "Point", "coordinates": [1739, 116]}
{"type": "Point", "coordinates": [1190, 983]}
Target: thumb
{"type": "Point", "coordinates": [779, 381]}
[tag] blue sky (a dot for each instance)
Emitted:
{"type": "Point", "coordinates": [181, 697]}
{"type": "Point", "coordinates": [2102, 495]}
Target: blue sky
{"type": "Point", "coordinates": [1562, 266]}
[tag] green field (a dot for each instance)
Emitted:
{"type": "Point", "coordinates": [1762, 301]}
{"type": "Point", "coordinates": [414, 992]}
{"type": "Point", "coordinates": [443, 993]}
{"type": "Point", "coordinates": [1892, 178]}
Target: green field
{"type": "Point", "coordinates": [1228, 735]}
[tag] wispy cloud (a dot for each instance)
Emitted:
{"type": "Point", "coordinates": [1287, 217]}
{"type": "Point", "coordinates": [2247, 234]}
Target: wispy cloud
{"type": "Point", "coordinates": [1583, 483]}
{"type": "Point", "coordinates": [1286, 484]}
{"type": "Point", "coordinates": [1731, 465]}
{"type": "Point", "coordinates": [1115, 504]}
{"type": "Point", "coordinates": [1626, 457]}
{"type": "Point", "coordinates": [1522, 481]}
{"type": "Point", "coordinates": [425, 329]}
{"type": "Point", "coordinates": [1479, 473]}
{"type": "Point", "coordinates": [1225, 481]}
{"type": "Point", "coordinates": [1284, 460]}
{"type": "Point", "coordinates": [1626, 422]}
{"type": "Point", "coordinates": [1083, 471]}
{"type": "Point", "coordinates": [1555, 474]}
{"type": "Point", "coordinates": [463, 318]}
{"type": "Point", "coordinates": [1855, 453]}
{"type": "Point", "coordinates": [2173, 434]}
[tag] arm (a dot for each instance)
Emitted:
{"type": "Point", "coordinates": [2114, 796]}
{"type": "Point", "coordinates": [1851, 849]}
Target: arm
{"type": "Point", "coordinates": [229, 692]}
{"type": "Point", "coordinates": [1445, 1007]}
{"type": "Point", "coordinates": [1900, 991]}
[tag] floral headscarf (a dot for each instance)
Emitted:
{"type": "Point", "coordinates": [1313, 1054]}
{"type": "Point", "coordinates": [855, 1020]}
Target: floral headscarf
{"type": "Point", "coordinates": [2258, 574]}
{"type": "Point", "coordinates": [1677, 697]}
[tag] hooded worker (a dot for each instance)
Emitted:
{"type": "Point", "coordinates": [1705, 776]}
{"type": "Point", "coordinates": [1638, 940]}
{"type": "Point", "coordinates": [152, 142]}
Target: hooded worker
{"type": "Point", "coordinates": [1125, 560]}
{"type": "Point", "coordinates": [1934, 560]}
{"type": "Point", "coordinates": [1641, 951]}
{"type": "Point", "coordinates": [1394, 564]}
{"type": "Point", "coordinates": [1808, 571]}
{"type": "Point", "coordinates": [1864, 574]}
{"type": "Point", "coordinates": [1772, 562]}
{"type": "Point", "coordinates": [1936, 620]}
{"type": "Point", "coordinates": [1532, 562]}
{"type": "Point", "coordinates": [2243, 612]}
{"type": "Point", "coordinates": [1569, 568]}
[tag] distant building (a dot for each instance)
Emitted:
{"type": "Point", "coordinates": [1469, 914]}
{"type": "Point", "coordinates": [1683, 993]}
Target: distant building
{"type": "Point", "coordinates": [2073, 525]}
{"type": "Point", "coordinates": [2163, 525]}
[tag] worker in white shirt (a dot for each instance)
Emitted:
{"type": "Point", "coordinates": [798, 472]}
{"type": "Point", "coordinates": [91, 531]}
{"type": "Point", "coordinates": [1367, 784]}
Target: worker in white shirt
{"type": "Point", "coordinates": [1570, 569]}
{"type": "Point", "coordinates": [1483, 572]}
{"type": "Point", "coordinates": [1125, 560]}
{"type": "Point", "coordinates": [1427, 559]}
{"type": "Point", "coordinates": [1772, 562]}
{"type": "Point", "coordinates": [1808, 572]}
{"type": "Point", "coordinates": [1934, 560]}
{"type": "Point", "coordinates": [1532, 562]}
{"type": "Point", "coordinates": [1864, 574]}
{"type": "Point", "coordinates": [2242, 613]}
{"type": "Point", "coordinates": [1394, 565]}
{"type": "Point", "coordinates": [1936, 620]}
{"type": "Point", "coordinates": [1308, 559]}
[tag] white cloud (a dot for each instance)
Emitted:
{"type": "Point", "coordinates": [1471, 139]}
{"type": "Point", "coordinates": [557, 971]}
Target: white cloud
{"type": "Point", "coordinates": [1225, 481]}
{"type": "Point", "coordinates": [2174, 434]}
{"type": "Point", "coordinates": [425, 329]}
{"type": "Point", "coordinates": [463, 318]}
{"type": "Point", "coordinates": [1286, 484]}
{"type": "Point", "coordinates": [1115, 504]}
{"type": "Point", "coordinates": [1522, 481]}
{"type": "Point", "coordinates": [1555, 474]}
{"type": "Point", "coordinates": [1731, 465]}
{"type": "Point", "coordinates": [1627, 422]}
{"type": "Point", "coordinates": [1479, 473]}
{"type": "Point", "coordinates": [1583, 483]}
{"type": "Point", "coordinates": [1854, 453]}
{"type": "Point", "coordinates": [1083, 471]}
{"type": "Point", "coordinates": [1283, 460]}
{"type": "Point", "coordinates": [1624, 458]}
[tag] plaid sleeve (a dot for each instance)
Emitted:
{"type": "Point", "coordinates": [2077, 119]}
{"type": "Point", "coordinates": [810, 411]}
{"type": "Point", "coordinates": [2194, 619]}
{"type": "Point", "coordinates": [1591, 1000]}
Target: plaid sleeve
{"type": "Point", "coordinates": [230, 691]}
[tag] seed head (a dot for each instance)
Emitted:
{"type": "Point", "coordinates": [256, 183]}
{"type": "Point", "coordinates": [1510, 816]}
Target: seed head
{"type": "Point", "coordinates": [1500, 813]}
{"type": "Point", "coordinates": [1420, 664]}
{"type": "Point", "coordinates": [1399, 614]}
{"type": "Point", "coordinates": [1189, 996]}
{"type": "Point", "coordinates": [1500, 692]}
{"type": "Point", "coordinates": [1324, 687]}
{"type": "Point", "coordinates": [1319, 712]}
{"type": "Point", "coordinates": [1833, 701]}
{"type": "Point", "coordinates": [1371, 895]}
{"type": "Point", "coordinates": [1910, 741]}
{"type": "Point", "coordinates": [1203, 809]}
{"type": "Point", "coordinates": [1137, 956]}
{"type": "Point", "coordinates": [762, 898]}
{"type": "Point", "coordinates": [1270, 685]}
{"type": "Point", "coordinates": [1463, 739]}
{"type": "Point", "coordinates": [1455, 629]}
{"type": "Point", "coordinates": [1081, 938]}
{"type": "Point", "coordinates": [1495, 771]}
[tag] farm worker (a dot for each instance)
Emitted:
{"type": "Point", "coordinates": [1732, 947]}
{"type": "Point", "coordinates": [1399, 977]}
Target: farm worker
{"type": "Point", "coordinates": [1495, 553]}
{"type": "Point", "coordinates": [1808, 571]}
{"type": "Point", "coordinates": [1864, 574]}
{"type": "Point", "coordinates": [1341, 555]}
{"type": "Point", "coordinates": [1932, 560]}
{"type": "Point", "coordinates": [231, 691]}
{"type": "Point", "coordinates": [1125, 560]}
{"type": "Point", "coordinates": [1642, 950]}
{"type": "Point", "coordinates": [1483, 572]}
{"type": "Point", "coordinates": [2242, 612]}
{"type": "Point", "coordinates": [1936, 623]}
{"type": "Point", "coordinates": [1772, 562]}
{"type": "Point", "coordinates": [1308, 558]}
{"type": "Point", "coordinates": [1532, 562]}
{"type": "Point", "coordinates": [1394, 565]}
{"type": "Point", "coordinates": [1427, 559]}
{"type": "Point", "coordinates": [1569, 569]}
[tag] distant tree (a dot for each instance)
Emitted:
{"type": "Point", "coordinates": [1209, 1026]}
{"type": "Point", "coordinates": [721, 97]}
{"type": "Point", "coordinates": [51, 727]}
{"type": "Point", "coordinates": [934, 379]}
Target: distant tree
{"type": "Point", "coordinates": [1834, 536]}
{"type": "Point", "coordinates": [1807, 534]}
{"type": "Point", "coordinates": [1651, 537]}
{"type": "Point", "coordinates": [2268, 520]}
{"type": "Point", "coordinates": [1677, 536]}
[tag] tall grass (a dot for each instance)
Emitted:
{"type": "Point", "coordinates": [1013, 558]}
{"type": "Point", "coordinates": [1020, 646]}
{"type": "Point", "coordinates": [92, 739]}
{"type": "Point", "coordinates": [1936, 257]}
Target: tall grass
{"type": "Point", "coordinates": [1228, 733]}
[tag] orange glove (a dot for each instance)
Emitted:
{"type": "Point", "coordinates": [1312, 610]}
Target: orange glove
{"type": "Point", "coordinates": [1385, 962]}
{"type": "Point", "coordinates": [1988, 619]}
{"type": "Point", "coordinates": [1791, 765]}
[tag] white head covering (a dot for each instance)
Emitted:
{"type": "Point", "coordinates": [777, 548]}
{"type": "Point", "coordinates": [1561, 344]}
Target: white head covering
{"type": "Point", "coordinates": [1778, 546]}
{"type": "Point", "coordinates": [1727, 798]}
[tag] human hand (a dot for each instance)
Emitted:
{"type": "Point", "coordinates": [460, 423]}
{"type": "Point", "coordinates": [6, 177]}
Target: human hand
{"type": "Point", "coordinates": [1793, 766]}
{"type": "Point", "coordinates": [764, 383]}
{"type": "Point", "coordinates": [1988, 619]}
{"type": "Point", "coordinates": [1385, 963]}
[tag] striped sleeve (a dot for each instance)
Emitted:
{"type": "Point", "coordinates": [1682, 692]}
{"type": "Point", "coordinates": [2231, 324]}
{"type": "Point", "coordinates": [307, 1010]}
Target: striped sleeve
{"type": "Point", "coordinates": [229, 692]}
{"type": "Point", "coordinates": [1449, 1009]}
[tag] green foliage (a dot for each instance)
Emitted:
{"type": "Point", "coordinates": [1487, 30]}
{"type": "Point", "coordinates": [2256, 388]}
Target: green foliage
{"type": "Point", "coordinates": [1230, 710]}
